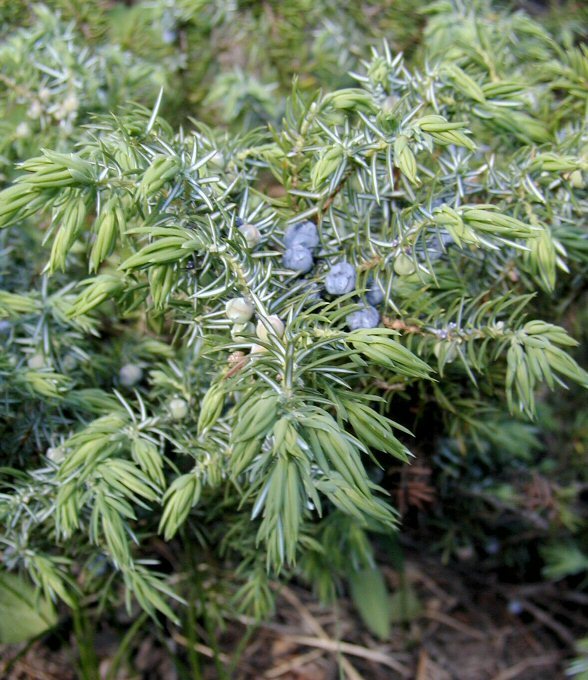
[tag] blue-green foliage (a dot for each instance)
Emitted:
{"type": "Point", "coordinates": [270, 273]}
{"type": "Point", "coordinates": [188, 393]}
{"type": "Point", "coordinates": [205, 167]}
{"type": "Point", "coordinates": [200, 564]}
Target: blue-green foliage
{"type": "Point", "coordinates": [219, 334]}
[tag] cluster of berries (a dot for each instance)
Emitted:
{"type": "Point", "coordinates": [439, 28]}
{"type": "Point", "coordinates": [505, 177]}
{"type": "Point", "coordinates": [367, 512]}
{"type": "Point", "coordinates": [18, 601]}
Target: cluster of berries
{"type": "Point", "coordinates": [301, 240]}
{"type": "Point", "coordinates": [131, 375]}
{"type": "Point", "coordinates": [239, 311]}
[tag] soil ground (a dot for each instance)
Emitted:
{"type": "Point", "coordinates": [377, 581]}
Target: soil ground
{"type": "Point", "coordinates": [470, 627]}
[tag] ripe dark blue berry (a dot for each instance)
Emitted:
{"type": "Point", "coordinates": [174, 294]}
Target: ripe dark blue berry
{"type": "Point", "coordinates": [298, 258]}
{"type": "Point", "coordinates": [366, 317]}
{"type": "Point", "coordinates": [340, 279]}
{"type": "Point", "coordinates": [302, 234]}
{"type": "Point", "coordinates": [313, 292]}
{"type": "Point", "coordinates": [374, 294]}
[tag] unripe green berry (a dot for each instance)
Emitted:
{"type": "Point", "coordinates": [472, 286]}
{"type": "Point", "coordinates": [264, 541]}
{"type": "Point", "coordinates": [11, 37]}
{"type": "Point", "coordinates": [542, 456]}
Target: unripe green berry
{"type": "Point", "coordinates": [276, 324]}
{"type": "Point", "coordinates": [35, 110]}
{"type": "Point", "coordinates": [69, 362]}
{"type": "Point", "coordinates": [70, 104]}
{"type": "Point", "coordinates": [241, 331]}
{"type": "Point", "coordinates": [22, 130]}
{"type": "Point", "coordinates": [36, 362]}
{"type": "Point", "coordinates": [251, 233]}
{"type": "Point", "coordinates": [404, 265]}
{"type": "Point", "coordinates": [577, 180]}
{"type": "Point", "coordinates": [239, 310]}
{"type": "Point", "coordinates": [450, 351]}
{"type": "Point", "coordinates": [218, 160]}
{"type": "Point", "coordinates": [258, 349]}
{"type": "Point", "coordinates": [178, 409]}
{"type": "Point", "coordinates": [55, 454]}
{"type": "Point", "coordinates": [130, 374]}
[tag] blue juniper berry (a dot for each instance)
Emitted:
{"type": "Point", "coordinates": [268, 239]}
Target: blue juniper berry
{"type": "Point", "coordinates": [340, 279]}
{"type": "Point", "coordinates": [313, 292]}
{"type": "Point", "coordinates": [302, 234]}
{"type": "Point", "coordinates": [298, 258]}
{"type": "Point", "coordinates": [374, 294]}
{"type": "Point", "coordinates": [365, 317]}
{"type": "Point", "coordinates": [436, 247]}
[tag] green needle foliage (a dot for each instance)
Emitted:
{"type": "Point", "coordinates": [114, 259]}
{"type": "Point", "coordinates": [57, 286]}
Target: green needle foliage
{"type": "Point", "coordinates": [165, 372]}
{"type": "Point", "coordinates": [52, 80]}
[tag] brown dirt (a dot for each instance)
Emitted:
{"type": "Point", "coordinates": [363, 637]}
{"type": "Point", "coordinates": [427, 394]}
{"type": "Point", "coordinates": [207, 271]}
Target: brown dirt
{"type": "Point", "coordinates": [466, 631]}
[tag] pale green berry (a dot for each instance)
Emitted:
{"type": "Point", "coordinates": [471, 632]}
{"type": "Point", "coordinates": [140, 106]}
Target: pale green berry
{"type": "Point", "coordinates": [36, 362]}
{"type": "Point", "coordinates": [130, 374]}
{"type": "Point", "coordinates": [465, 553]}
{"type": "Point", "coordinates": [22, 130]}
{"type": "Point", "coordinates": [446, 350]}
{"type": "Point", "coordinates": [258, 349]}
{"type": "Point", "coordinates": [404, 265]}
{"type": "Point", "coordinates": [240, 331]}
{"type": "Point", "coordinates": [277, 326]}
{"type": "Point", "coordinates": [577, 180]}
{"type": "Point", "coordinates": [55, 454]}
{"type": "Point", "coordinates": [178, 409]}
{"type": "Point", "coordinates": [239, 310]}
{"type": "Point", "coordinates": [218, 160]}
{"type": "Point", "coordinates": [251, 233]}
{"type": "Point", "coordinates": [69, 362]}
{"type": "Point", "coordinates": [70, 104]}
{"type": "Point", "coordinates": [35, 110]}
